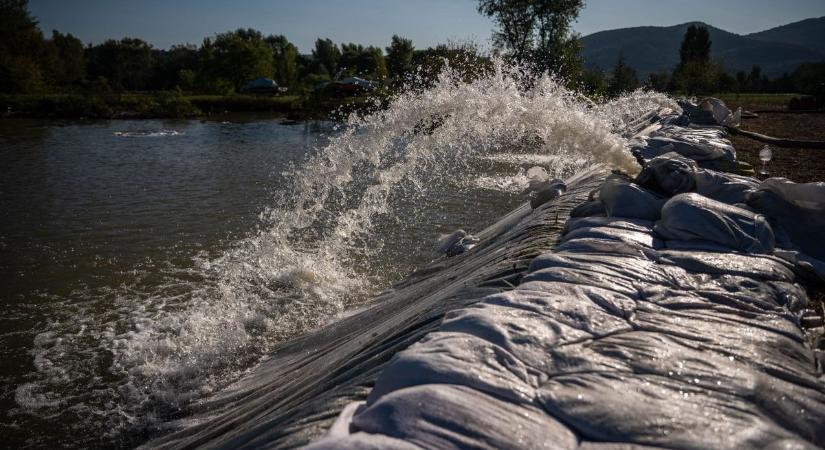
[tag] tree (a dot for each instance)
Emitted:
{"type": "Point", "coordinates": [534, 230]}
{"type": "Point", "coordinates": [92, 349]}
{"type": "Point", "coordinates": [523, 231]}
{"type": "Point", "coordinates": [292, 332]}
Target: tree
{"type": "Point", "coordinates": [71, 68]}
{"type": "Point", "coordinates": [175, 67]}
{"type": "Point", "coordinates": [231, 59]}
{"type": "Point", "coordinates": [399, 56]}
{"type": "Point", "coordinates": [127, 63]}
{"type": "Point", "coordinates": [20, 45]}
{"type": "Point", "coordinates": [328, 55]}
{"type": "Point", "coordinates": [379, 63]}
{"type": "Point", "coordinates": [623, 79]}
{"type": "Point", "coordinates": [741, 81]}
{"type": "Point", "coordinates": [809, 78]}
{"type": "Point", "coordinates": [755, 83]}
{"type": "Point", "coordinates": [358, 60]}
{"type": "Point", "coordinates": [725, 82]}
{"type": "Point", "coordinates": [593, 82]}
{"type": "Point", "coordinates": [695, 46]}
{"type": "Point", "coordinates": [464, 60]}
{"type": "Point", "coordinates": [695, 74]}
{"type": "Point", "coordinates": [537, 32]}
{"type": "Point", "coordinates": [658, 81]}
{"type": "Point", "coordinates": [696, 78]}
{"type": "Point", "coordinates": [285, 58]}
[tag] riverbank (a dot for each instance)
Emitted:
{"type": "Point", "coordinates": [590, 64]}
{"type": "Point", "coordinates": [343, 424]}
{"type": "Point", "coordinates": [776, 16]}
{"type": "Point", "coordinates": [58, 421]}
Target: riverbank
{"type": "Point", "coordinates": [162, 105]}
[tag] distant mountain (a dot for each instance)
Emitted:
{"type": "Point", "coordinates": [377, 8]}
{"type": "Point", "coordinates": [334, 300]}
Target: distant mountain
{"type": "Point", "coordinates": [656, 49]}
{"type": "Point", "coordinates": [806, 33]}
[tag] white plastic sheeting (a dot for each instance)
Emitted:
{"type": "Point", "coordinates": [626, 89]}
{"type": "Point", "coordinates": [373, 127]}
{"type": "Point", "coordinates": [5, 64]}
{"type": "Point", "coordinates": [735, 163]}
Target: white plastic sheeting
{"type": "Point", "coordinates": [720, 113]}
{"type": "Point", "coordinates": [667, 316]}
{"type": "Point", "coordinates": [692, 217]}
{"type": "Point", "coordinates": [708, 146]}
{"type": "Point", "coordinates": [798, 209]}
{"type": "Point", "coordinates": [615, 339]}
{"type": "Point", "coordinates": [625, 199]}
{"type": "Point", "coordinates": [672, 174]}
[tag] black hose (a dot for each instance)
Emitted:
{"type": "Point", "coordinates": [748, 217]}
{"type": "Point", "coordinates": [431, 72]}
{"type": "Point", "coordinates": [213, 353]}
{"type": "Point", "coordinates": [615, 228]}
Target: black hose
{"type": "Point", "coordinates": [779, 142]}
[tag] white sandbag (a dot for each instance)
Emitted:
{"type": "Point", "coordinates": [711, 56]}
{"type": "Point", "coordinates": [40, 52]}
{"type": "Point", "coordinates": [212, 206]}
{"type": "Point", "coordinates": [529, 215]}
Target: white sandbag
{"type": "Point", "coordinates": [697, 151]}
{"type": "Point", "coordinates": [672, 174]}
{"type": "Point", "coordinates": [341, 427]}
{"type": "Point", "coordinates": [724, 187]}
{"type": "Point", "coordinates": [525, 334]}
{"type": "Point", "coordinates": [460, 359]}
{"type": "Point", "coordinates": [623, 223]}
{"type": "Point", "coordinates": [571, 306]}
{"type": "Point", "coordinates": [798, 209]}
{"type": "Point", "coordinates": [628, 407]}
{"type": "Point", "coordinates": [600, 246]}
{"type": "Point", "coordinates": [361, 441]}
{"type": "Point", "coordinates": [668, 175]}
{"type": "Point", "coordinates": [810, 196]}
{"type": "Point", "coordinates": [624, 199]}
{"type": "Point", "coordinates": [689, 133]}
{"type": "Point", "coordinates": [720, 112]}
{"type": "Point", "coordinates": [705, 421]}
{"type": "Point", "coordinates": [761, 267]}
{"type": "Point", "coordinates": [627, 236]}
{"type": "Point", "coordinates": [546, 191]}
{"type": "Point", "coordinates": [692, 217]}
{"type": "Point", "coordinates": [815, 268]}
{"type": "Point", "coordinates": [453, 417]}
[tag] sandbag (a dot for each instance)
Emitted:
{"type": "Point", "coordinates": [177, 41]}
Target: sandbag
{"type": "Point", "coordinates": [459, 359]}
{"type": "Point", "coordinates": [668, 175]}
{"type": "Point", "coordinates": [697, 151]}
{"type": "Point", "coordinates": [446, 416]}
{"type": "Point", "coordinates": [627, 407]}
{"type": "Point", "coordinates": [622, 198]}
{"type": "Point", "coordinates": [712, 111]}
{"type": "Point", "coordinates": [724, 187]}
{"type": "Point", "coordinates": [672, 174]}
{"type": "Point", "coordinates": [547, 191]}
{"type": "Point", "coordinates": [798, 209]}
{"type": "Point", "coordinates": [692, 217]}
{"type": "Point", "coordinates": [361, 441]}
{"type": "Point", "coordinates": [720, 113]}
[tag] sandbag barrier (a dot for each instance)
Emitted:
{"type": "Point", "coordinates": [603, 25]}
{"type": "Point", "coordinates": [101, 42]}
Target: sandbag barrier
{"type": "Point", "coordinates": [616, 338]}
{"type": "Point", "coordinates": [676, 327]}
{"type": "Point", "coordinates": [296, 393]}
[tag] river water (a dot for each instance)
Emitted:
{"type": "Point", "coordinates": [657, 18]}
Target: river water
{"type": "Point", "coordinates": [147, 264]}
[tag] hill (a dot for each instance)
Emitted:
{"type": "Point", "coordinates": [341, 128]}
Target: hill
{"type": "Point", "coordinates": [656, 49]}
{"type": "Point", "coordinates": [806, 33]}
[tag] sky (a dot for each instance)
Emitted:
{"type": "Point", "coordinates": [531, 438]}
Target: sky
{"type": "Point", "coordinates": [164, 23]}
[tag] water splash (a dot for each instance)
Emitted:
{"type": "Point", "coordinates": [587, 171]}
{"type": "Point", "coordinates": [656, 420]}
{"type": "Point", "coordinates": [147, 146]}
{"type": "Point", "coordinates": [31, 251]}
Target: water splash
{"type": "Point", "coordinates": [139, 353]}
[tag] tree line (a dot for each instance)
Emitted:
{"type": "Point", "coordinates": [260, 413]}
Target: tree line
{"type": "Point", "coordinates": [221, 64]}
{"type": "Point", "coordinates": [536, 34]}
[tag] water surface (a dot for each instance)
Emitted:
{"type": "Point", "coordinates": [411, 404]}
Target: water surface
{"type": "Point", "coordinates": [112, 238]}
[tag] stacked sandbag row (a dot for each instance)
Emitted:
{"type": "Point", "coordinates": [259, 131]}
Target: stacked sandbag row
{"type": "Point", "coordinates": [668, 316]}
{"type": "Point", "coordinates": [696, 133]}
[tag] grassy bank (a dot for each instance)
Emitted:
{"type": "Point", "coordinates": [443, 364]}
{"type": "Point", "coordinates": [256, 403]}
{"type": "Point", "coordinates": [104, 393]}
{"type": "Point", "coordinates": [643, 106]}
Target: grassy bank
{"type": "Point", "coordinates": [171, 105]}
{"type": "Point", "coordinates": [757, 102]}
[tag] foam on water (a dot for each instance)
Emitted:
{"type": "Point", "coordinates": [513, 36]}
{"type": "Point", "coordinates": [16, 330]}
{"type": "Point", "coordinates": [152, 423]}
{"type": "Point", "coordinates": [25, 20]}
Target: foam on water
{"type": "Point", "coordinates": [163, 132]}
{"type": "Point", "coordinates": [132, 356]}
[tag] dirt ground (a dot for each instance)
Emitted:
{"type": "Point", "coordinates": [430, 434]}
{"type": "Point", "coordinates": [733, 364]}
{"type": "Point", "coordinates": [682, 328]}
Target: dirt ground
{"type": "Point", "coordinates": [797, 164]}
